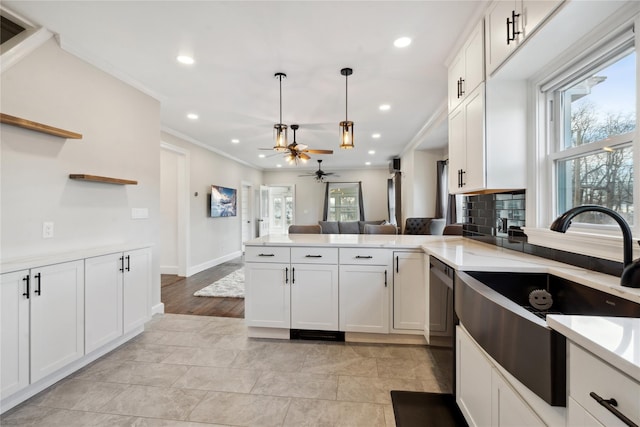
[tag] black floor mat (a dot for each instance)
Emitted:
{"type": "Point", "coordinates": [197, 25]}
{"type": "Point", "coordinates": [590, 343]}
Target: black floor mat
{"type": "Point", "coordinates": [418, 409]}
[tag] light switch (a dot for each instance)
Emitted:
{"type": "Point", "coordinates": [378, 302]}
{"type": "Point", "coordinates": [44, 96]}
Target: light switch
{"type": "Point", "coordinates": [47, 230]}
{"type": "Point", "coordinates": [139, 213]}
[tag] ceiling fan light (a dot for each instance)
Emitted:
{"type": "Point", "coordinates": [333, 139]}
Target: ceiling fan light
{"type": "Point", "coordinates": [304, 157]}
{"type": "Point", "coordinates": [280, 135]}
{"type": "Point", "coordinates": [346, 135]}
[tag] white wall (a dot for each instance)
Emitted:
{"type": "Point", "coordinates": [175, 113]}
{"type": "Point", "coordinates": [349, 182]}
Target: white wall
{"type": "Point", "coordinates": [168, 212]}
{"type": "Point", "coordinates": [419, 175]}
{"type": "Point", "coordinates": [212, 240]}
{"type": "Point", "coordinates": [121, 130]}
{"type": "Point", "coordinates": [310, 194]}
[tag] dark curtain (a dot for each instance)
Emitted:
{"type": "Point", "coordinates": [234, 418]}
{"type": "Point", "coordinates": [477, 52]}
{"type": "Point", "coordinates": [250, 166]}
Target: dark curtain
{"type": "Point", "coordinates": [445, 202]}
{"type": "Point", "coordinates": [361, 201]}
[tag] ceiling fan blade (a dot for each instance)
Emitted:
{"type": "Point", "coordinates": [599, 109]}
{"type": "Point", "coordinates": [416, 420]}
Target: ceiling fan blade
{"type": "Point", "coordinates": [303, 156]}
{"type": "Point", "coordinates": [319, 151]}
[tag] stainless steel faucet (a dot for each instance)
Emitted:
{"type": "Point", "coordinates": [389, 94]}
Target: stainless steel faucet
{"type": "Point", "coordinates": [631, 269]}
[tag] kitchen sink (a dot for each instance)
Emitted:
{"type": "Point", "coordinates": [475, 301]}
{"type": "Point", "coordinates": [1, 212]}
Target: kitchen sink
{"type": "Point", "coordinates": [496, 309]}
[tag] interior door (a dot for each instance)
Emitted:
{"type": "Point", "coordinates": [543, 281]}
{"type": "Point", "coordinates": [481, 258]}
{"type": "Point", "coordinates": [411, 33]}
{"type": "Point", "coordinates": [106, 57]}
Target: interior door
{"type": "Point", "coordinates": [263, 219]}
{"type": "Point", "coordinates": [245, 209]}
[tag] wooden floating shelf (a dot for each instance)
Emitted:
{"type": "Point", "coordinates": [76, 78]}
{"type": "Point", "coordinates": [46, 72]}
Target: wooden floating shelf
{"type": "Point", "coordinates": [38, 127]}
{"type": "Point", "coordinates": [103, 179]}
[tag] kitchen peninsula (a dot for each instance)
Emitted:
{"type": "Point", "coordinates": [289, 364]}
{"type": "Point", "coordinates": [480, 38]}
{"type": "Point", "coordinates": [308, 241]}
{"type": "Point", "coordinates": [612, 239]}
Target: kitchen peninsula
{"type": "Point", "coordinates": [357, 282]}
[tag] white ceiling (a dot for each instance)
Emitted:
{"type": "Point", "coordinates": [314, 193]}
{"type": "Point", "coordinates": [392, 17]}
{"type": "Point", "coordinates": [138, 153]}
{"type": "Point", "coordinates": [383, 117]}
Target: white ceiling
{"type": "Point", "coordinates": [238, 46]}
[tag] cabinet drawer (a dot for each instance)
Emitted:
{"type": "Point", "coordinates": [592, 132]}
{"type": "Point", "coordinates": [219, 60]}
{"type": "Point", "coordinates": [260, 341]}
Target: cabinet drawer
{"type": "Point", "coordinates": [364, 256]}
{"type": "Point", "coordinates": [588, 373]}
{"type": "Point", "coordinates": [266, 254]}
{"type": "Point", "coordinates": [314, 255]}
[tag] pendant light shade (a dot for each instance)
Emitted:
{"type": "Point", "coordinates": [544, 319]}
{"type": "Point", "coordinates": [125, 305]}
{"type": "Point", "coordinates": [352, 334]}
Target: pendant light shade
{"type": "Point", "coordinates": [280, 129]}
{"type": "Point", "coordinates": [346, 126]}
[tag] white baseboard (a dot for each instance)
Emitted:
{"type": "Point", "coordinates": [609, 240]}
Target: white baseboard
{"type": "Point", "coordinates": [157, 309]}
{"type": "Point", "coordinates": [212, 263]}
{"type": "Point", "coordinates": [168, 269]}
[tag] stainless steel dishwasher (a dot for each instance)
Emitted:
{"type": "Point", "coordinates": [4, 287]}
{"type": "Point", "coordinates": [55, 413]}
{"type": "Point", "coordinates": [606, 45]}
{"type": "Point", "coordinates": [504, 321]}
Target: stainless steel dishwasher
{"type": "Point", "coordinates": [442, 318]}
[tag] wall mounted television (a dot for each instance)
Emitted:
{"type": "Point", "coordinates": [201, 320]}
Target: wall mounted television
{"type": "Point", "coordinates": [223, 201]}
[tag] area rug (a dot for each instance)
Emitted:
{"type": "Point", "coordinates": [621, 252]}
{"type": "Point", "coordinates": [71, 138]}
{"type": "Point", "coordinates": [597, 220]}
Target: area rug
{"type": "Point", "coordinates": [230, 286]}
{"type": "Point", "coordinates": [419, 409]}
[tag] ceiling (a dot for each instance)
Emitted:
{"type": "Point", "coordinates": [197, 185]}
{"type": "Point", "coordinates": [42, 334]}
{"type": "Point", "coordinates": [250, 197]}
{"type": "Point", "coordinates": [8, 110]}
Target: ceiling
{"type": "Point", "coordinates": [238, 46]}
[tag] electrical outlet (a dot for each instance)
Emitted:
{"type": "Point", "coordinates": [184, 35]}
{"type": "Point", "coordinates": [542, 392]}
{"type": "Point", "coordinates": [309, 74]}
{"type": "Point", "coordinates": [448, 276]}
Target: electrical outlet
{"type": "Point", "coordinates": [47, 230]}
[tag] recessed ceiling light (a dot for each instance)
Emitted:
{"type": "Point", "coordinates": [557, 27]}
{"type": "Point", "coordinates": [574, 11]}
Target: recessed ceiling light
{"type": "Point", "coordinates": [278, 166]}
{"type": "Point", "coordinates": [184, 59]}
{"type": "Point", "coordinates": [262, 156]}
{"type": "Point", "coordinates": [385, 107]}
{"type": "Point", "coordinates": [235, 141]}
{"type": "Point", "coordinates": [375, 136]}
{"type": "Point", "coordinates": [402, 42]}
{"type": "Point", "coordinates": [367, 163]}
{"type": "Point", "coordinates": [192, 116]}
{"type": "Point", "coordinates": [372, 151]}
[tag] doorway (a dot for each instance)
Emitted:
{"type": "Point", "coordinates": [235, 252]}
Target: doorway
{"type": "Point", "coordinates": [277, 209]}
{"type": "Point", "coordinates": [246, 213]}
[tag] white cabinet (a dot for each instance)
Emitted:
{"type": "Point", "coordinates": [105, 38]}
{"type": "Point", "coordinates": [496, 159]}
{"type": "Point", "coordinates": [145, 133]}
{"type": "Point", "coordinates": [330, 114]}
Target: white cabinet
{"type": "Point", "coordinates": [14, 332]}
{"type": "Point", "coordinates": [483, 394]}
{"type": "Point", "coordinates": [268, 294]}
{"type": "Point", "coordinates": [508, 23]}
{"type": "Point", "coordinates": [467, 161]}
{"type": "Point", "coordinates": [589, 374]}
{"type": "Point", "coordinates": [116, 295]}
{"type": "Point", "coordinates": [408, 291]}
{"type": "Point", "coordinates": [364, 290]}
{"type": "Point", "coordinates": [57, 317]}
{"type": "Point", "coordinates": [314, 289]}
{"type": "Point", "coordinates": [577, 416]}
{"type": "Point", "coordinates": [466, 71]}
{"type": "Point", "coordinates": [136, 288]}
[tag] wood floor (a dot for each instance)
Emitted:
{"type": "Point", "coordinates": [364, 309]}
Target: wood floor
{"type": "Point", "coordinates": [177, 293]}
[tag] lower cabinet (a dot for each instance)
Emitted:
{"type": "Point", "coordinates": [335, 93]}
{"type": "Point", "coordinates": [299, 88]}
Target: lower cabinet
{"type": "Point", "coordinates": [314, 297]}
{"type": "Point", "coordinates": [135, 288]}
{"type": "Point", "coordinates": [364, 298]}
{"type": "Point", "coordinates": [483, 394]}
{"type": "Point", "coordinates": [577, 416]}
{"type": "Point", "coordinates": [408, 291]}
{"type": "Point", "coordinates": [14, 332]}
{"type": "Point", "coordinates": [268, 295]}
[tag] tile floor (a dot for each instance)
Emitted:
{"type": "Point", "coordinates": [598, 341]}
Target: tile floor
{"type": "Point", "coordinates": [189, 371]}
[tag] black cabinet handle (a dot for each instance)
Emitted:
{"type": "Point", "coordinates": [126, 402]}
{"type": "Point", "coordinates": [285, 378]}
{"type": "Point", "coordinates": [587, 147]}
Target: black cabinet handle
{"type": "Point", "coordinates": [512, 22]}
{"type": "Point", "coordinates": [461, 87]}
{"type": "Point", "coordinates": [397, 264]}
{"type": "Point", "coordinates": [122, 263]}
{"type": "Point", "coordinates": [458, 88]}
{"type": "Point", "coordinates": [385, 278]}
{"type": "Point", "coordinates": [266, 255]}
{"type": "Point", "coordinates": [508, 28]}
{"type": "Point", "coordinates": [39, 279]}
{"type": "Point", "coordinates": [463, 182]}
{"type": "Point", "coordinates": [363, 257]}
{"type": "Point", "coordinates": [26, 280]}
{"type": "Point", "coordinates": [610, 405]}
{"type": "Point", "coordinates": [293, 275]}
{"type": "Point", "coordinates": [313, 256]}
{"type": "Point", "coordinates": [286, 275]}
{"type": "Point", "coordinates": [128, 263]}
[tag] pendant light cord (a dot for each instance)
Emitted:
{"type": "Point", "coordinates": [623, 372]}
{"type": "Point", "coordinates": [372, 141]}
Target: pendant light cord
{"type": "Point", "coordinates": [346, 98]}
{"type": "Point", "coordinates": [280, 78]}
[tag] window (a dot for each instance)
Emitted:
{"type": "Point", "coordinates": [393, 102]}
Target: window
{"type": "Point", "coordinates": [592, 116]}
{"type": "Point", "coordinates": [343, 202]}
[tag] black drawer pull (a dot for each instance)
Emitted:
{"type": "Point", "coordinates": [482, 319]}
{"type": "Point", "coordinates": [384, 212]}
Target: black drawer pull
{"type": "Point", "coordinates": [26, 280]}
{"type": "Point", "coordinates": [266, 255]}
{"type": "Point", "coordinates": [363, 257]}
{"type": "Point", "coordinates": [128, 263]}
{"type": "Point", "coordinates": [610, 405]}
{"type": "Point", "coordinates": [385, 278]}
{"type": "Point", "coordinates": [313, 256]}
{"type": "Point", "coordinates": [39, 278]}
{"type": "Point", "coordinates": [121, 263]}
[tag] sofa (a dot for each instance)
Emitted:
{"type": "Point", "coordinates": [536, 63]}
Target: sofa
{"type": "Point", "coordinates": [346, 227]}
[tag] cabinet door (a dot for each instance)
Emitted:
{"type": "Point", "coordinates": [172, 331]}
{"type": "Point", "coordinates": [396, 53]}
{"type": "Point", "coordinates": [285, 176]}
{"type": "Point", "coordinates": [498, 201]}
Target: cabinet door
{"type": "Point", "coordinates": [534, 12]}
{"type": "Point", "coordinates": [457, 150]}
{"type": "Point", "coordinates": [136, 288]}
{"type": "Point", "coordinates": [474, 177]}
{"type": "Point", "coordinates": [473, 381]}
{"type": "Point", "coordinates": [57, 317]}
{"type": "Point", "coordinates": [474, 60]}
{"type": "Point", "coordinates": [455, 74]}
{"type": "Point", "coordinates": [314, 297]}
{"type": "Point", "coordinates": [577, 416]}
{"type": "Point", "coordinates": [14, 332]}
{"type": "Point", "coordinates": [509, 410]}
{"type": "Point", "coordinates": [496, 47]}
{"type": "Point", "coordinates": [364, 298]}
{"type": "Point", "coordinates": [408, 291]}
{"type": "Point", "coordinates": [268, 292]}
{"type": "Point", "coordinates": [103, 299]}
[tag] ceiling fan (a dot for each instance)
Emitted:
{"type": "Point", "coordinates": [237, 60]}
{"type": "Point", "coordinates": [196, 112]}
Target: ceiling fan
{"type": "Point", "coordinates": [319, 174]}
{"type": "Point", "coordinates": [295, 151]}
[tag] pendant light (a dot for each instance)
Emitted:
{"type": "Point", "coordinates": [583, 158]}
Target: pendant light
{"type": "Point", "coordinates": [346, 127]}
{"type": "Point", "coordinates": [280, 129]}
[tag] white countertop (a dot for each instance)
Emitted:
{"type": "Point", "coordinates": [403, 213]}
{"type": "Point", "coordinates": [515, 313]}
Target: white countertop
{"type": "Point", "coordinates": [616, 340]}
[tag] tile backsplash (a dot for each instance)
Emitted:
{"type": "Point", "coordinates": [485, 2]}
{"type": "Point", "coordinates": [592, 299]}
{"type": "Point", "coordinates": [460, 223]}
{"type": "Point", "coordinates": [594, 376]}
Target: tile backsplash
{"type": "Point", "coordinates": [498, 219]}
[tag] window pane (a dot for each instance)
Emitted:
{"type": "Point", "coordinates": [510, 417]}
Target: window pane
{"type": "Point", "coordinates": [603, 178]}
{"type": "Point", "coordinates": [602, 104]}
{"type": "Point", "coordinates": [343, 202]}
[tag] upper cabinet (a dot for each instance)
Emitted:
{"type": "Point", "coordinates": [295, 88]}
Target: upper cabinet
{"type": "Point", "coordinates": [509, 23]}
{"type": "Point", "coordinates": [466, 71]}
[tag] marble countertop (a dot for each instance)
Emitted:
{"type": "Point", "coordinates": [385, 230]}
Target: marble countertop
{"type": "Point", "coordinates": [616, 340]}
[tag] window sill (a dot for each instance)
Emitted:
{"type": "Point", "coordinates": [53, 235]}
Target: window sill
{"type": "Point", "coordinates": [591, 244]}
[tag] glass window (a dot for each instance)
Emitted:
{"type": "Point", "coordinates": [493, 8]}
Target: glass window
{"type": "Point", "coordinates": [343, 203]}
{"type": "Point", "coordinates": [596, 126]}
